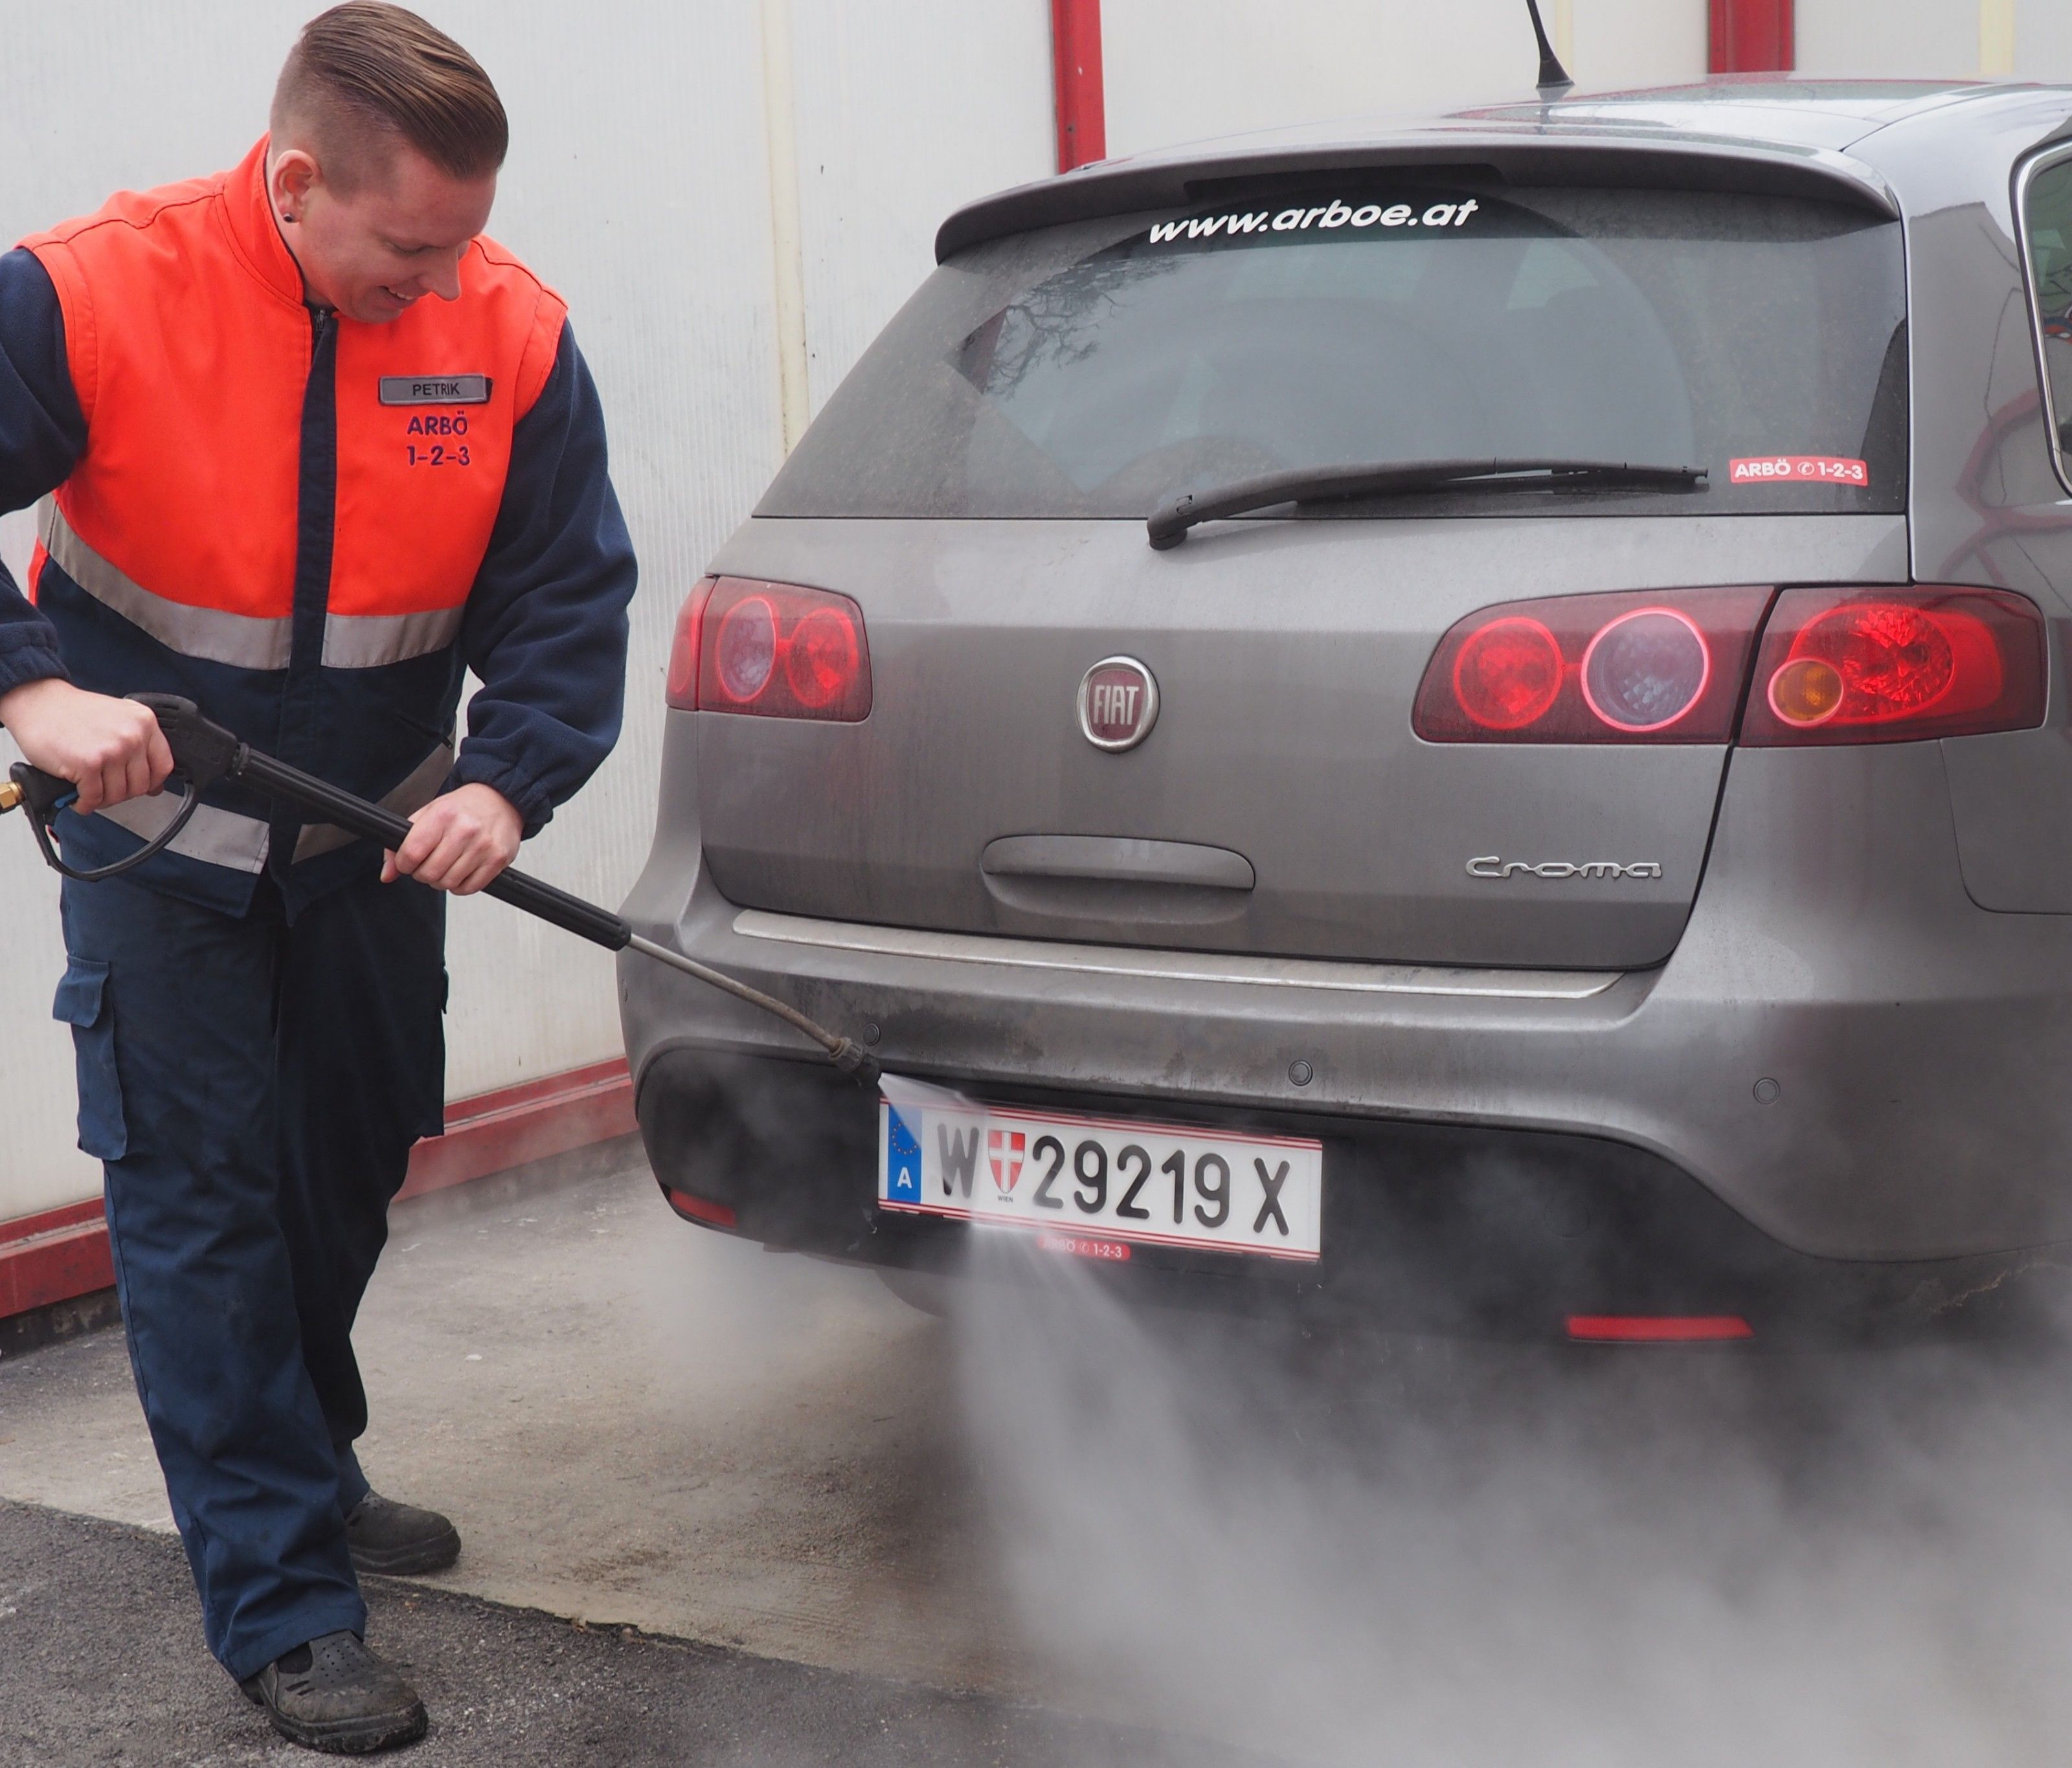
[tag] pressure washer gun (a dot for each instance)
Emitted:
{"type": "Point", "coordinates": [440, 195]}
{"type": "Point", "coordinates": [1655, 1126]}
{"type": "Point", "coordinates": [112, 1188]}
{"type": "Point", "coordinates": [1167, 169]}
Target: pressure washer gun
{"type": "Point", "coordinates": [205, 752]}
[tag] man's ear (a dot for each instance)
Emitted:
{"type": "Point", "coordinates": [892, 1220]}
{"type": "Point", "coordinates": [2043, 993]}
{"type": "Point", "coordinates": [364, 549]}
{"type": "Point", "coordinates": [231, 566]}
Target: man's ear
{"type": "Point", "coordinates": [295, 174]}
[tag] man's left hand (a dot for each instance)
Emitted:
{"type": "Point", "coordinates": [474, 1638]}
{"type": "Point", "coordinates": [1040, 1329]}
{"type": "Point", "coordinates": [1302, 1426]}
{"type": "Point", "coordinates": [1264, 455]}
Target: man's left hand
{"type": "Point", "coordinates": [458, 842]}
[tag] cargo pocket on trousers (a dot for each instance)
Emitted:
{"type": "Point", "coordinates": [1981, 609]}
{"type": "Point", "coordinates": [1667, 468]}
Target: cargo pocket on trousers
{"type": "Point", "coordinates": [82, 1003]}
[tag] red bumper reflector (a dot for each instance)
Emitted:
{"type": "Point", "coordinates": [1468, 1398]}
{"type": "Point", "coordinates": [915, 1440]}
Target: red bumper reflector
{"type": "Point", "coordinates": [1080, 1246]}
{"type": "Point", "coordinates": [1658, 1328]}
{"type": "Point", "coordinates": [699, 1209]}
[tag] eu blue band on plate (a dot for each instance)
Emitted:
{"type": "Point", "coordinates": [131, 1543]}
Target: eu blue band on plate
{"type": "Point", "coordinates": [902, 1159]}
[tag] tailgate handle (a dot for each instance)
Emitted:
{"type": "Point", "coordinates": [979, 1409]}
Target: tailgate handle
{"type": "Point", "coordinates": [1118, 860]}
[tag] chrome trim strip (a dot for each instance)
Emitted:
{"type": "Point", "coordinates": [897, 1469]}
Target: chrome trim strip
{"type": "Point", "coordinates": [242, 640]}
{"type": "Point", "coordinates": [215, 837]}
{"type": "Point", "coordinates": [419, 787]}
{"type": "Point", "coordinates": [2055, 154]}
{"type": "Point", "coordinates": [367, 641]}
{"type": "Point", "coordinates": [901, 942]}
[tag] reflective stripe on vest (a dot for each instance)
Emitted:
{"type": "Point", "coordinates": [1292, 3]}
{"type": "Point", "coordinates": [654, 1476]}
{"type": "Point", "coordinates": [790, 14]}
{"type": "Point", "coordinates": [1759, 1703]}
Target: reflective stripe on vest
{"type": "Point", "coordinates": [223, 838]}
{"type": "Point", "coordinates": [351, 641]}
{"type": "Point", "coordinates": [417, 791]}
{"type": "Point", "coordinates": [209, 633]}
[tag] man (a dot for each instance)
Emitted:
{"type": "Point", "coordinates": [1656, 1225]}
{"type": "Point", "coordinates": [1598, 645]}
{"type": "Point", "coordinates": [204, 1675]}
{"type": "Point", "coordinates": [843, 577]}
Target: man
{"type": "Point", "coordinates": [309, 446]}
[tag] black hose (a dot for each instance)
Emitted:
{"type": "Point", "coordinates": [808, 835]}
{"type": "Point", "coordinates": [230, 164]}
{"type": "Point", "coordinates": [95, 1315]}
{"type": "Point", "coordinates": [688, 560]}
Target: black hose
{"type": "Point", "coordinates": [44, 794]}
{"type": "Point", "coordinates": [205, 752]}
{"type": "Point", "coordinates": [600, 926]}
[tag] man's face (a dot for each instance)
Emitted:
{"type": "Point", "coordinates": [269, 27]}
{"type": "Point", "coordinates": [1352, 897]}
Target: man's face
{"type": "Point", "coordinates": [397, 238]}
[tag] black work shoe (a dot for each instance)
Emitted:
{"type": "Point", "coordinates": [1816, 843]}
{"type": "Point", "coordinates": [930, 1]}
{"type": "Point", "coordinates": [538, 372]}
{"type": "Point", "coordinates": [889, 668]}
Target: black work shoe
{"type": "Point", "coordinates": [399, 1539]}
{"type": "Point", "coordinates": [335, 1694]}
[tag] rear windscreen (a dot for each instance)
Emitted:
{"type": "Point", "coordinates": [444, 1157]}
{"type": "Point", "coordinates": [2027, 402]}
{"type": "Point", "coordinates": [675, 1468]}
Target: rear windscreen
{"type": "Point", "coordinates": [1097, 369]}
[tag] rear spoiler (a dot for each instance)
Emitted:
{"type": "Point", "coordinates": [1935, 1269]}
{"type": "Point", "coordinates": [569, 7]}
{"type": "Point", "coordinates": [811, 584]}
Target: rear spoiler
{"type": "Point", "coordinates": [1127, 187]}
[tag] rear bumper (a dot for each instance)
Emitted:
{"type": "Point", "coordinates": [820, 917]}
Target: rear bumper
{"type": "Point", "coordinates": [1915, 1048]}
{"type": "Point", "coordinates": [1426, 1227]}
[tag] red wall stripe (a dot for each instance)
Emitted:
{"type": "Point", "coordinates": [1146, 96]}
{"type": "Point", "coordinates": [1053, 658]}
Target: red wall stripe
{"type": "Point", "coordinates": [62, 1253]}
{"type": "Point", "coordinates": [53, 1256]}
{"type": "Point", "coordinates": [1753, 37]}
{"type": "Point", "coordinates": [494, 1132]}
{"type": "Point", "coordinates": [1075, 74]}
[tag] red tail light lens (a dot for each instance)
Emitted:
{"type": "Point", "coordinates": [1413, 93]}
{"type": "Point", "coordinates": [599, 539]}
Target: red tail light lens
{"type": "Point", "coordinates": [825, 657]}
{"type": "Point", "coordinates": [683, 679]}
{"type": "Point", "coordinates": [1626, 667]}
{"type": "Point", "coordinates": [773, 649]}
{"type": "Point", "coordinates": [1507, 674]}
{"type": "Point", "coordinates": [1895, 665]}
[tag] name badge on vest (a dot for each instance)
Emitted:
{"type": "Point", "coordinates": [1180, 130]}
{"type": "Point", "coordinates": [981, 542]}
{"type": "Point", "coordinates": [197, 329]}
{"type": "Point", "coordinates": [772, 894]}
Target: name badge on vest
{"type": "Point", "coordinates": [435, 389]}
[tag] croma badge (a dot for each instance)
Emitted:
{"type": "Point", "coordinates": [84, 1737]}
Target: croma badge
{"type": "Point", "coordinates": [1118, 703]}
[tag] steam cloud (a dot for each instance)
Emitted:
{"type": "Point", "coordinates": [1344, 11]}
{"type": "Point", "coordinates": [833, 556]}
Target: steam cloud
{"type": "Point", "coordinates": [1415, 1552]}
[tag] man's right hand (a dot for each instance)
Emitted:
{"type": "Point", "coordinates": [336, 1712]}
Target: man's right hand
{"type": "Point", "coordinates": [110, 750]}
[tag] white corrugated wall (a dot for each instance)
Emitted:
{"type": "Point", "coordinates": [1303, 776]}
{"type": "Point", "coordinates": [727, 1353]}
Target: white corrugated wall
{"type": "Point", "coordinates": [1178, 72]}
{"type": "Point", "coordinates": [1934, 39]}
{"type": "Point", "coordinates": [639, 183]}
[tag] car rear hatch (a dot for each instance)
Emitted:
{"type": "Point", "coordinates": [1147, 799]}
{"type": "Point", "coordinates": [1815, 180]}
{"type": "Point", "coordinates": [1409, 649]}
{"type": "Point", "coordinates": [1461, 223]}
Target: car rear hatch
{"type": "Point", "coordinates": [978, 487]}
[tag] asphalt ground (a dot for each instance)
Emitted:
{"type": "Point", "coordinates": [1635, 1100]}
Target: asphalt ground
{"type": "Point", "coordinates": [631, 1421]}
{"type": "Point", "coordinates": [1049, 1528]}
{"type": "Point", "coordinates": [101, 1663]}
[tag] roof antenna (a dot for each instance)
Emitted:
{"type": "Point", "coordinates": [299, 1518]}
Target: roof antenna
{"type": "Point", "coordinates": [1554, 79]}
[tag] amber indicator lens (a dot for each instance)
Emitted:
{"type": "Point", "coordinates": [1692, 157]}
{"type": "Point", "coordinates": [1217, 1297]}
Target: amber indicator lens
{"type": "Point", "coordinates": [1806, 692]}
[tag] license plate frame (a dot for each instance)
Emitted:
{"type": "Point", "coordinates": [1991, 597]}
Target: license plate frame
{"type": "Point", "coordinates": [1251, 1194]}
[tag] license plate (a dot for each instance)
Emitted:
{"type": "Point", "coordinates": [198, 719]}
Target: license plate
{"type": "Point", "coordinates": [1086, 1184]}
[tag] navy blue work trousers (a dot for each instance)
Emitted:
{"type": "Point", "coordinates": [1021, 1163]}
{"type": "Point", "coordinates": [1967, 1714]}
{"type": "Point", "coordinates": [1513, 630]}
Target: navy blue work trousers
{"type": "Point", "coordinates": [253, 1086]}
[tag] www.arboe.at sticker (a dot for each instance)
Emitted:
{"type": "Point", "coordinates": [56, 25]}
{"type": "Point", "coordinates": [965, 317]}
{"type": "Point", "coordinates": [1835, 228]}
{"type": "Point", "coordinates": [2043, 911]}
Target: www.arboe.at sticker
{"type": "Point", "coordinates": [1800, 468]}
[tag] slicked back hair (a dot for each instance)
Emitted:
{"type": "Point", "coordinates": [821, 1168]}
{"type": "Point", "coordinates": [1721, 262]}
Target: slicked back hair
{"type": "Point", "coordinates": [366, 75]}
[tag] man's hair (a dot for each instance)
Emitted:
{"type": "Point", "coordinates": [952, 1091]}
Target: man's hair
{"type": "Point", "coordinates": [367, 68]}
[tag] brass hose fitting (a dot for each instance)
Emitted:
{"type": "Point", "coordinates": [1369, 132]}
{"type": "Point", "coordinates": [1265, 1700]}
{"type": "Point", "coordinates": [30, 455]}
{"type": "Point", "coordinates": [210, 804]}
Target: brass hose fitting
{"type": "Point", "coordinates": [11, 796]}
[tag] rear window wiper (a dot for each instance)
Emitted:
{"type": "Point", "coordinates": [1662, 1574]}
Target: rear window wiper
{"type": "Point", "coordinates": [1167, 525]}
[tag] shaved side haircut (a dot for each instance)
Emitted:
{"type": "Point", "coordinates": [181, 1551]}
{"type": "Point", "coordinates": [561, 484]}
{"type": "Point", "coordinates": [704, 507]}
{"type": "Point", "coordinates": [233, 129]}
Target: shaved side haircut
{"type": "Point", "coordinates": [365, 75]}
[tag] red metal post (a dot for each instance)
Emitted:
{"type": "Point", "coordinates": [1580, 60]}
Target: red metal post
{"type": "Point", "coordinates": [1752, 37]}
{"type": "Point", "coordinates": [1076, 58]}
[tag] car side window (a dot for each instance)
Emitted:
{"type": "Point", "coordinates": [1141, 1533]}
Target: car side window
{"type": "Point", "coordinates": [2047, 230]}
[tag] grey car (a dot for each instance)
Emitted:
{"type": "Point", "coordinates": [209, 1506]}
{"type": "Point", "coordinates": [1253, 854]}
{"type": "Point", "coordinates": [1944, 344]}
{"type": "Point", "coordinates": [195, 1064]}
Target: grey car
{"type": "Point", "coordinates": [1459, 725]}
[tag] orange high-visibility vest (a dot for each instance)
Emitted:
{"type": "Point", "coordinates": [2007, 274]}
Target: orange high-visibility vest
{"type": "Point", "coordinates": [278, 512]}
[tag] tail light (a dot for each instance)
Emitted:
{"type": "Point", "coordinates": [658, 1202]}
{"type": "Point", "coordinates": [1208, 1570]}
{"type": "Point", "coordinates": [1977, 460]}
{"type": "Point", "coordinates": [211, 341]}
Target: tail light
{"type": "Point", "coordinates": [774, 649]}
{"type": "Point", "coordinates": [1894, 665]}
{"type": "Point", "coordinates": [1646, 667]}
{"type": "Point", "coordinates": [682, 691]}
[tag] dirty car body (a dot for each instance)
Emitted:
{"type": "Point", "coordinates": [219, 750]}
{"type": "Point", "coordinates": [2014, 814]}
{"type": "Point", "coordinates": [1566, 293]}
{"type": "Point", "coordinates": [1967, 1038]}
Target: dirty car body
{"type": "Point", "coordinates": [1631, 905]}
